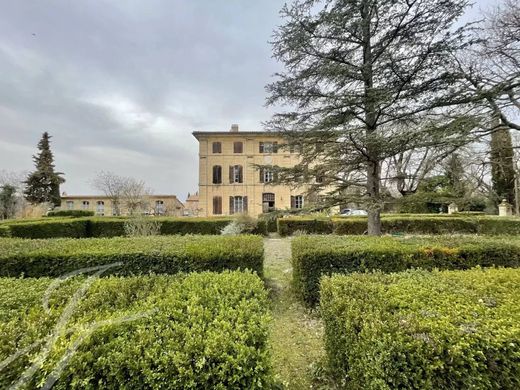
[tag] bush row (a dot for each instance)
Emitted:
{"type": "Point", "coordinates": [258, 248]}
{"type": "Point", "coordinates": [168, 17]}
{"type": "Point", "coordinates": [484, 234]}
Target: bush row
{"type": "Point", "coordinates": [424, 330]}
{"type": "Point", "coordinates": [169, 255]}
{"type": "Point", "coordinates": [70, 213]}
{"type": "Point", "coordinates": [411, 224]}
{"type": "Point", "coordinates": [201, 331]}
{"type": "Point", "coordinates": [314, 256]}
{"type": "Point", "coordinates": [106, 227]}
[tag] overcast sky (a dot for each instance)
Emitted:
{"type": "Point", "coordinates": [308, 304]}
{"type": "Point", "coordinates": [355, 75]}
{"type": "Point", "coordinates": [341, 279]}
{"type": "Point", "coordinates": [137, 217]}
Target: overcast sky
{"type": "Point", "coordinates": [120, 85]}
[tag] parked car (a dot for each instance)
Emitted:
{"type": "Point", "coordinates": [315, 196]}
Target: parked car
{"type": "Point", "coordinates": [352, 212]}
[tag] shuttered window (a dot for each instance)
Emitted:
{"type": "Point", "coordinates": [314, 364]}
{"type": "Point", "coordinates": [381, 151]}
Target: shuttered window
{"type": "Point", "coordinates": [238, 147]}
{"type": "Point", "coordinates": [217, 174]}
{"type": "Point", "coordinates": [236, 174]}
{"type": "Point", "coordinates": [297, 202]}
{"type": "Point", "coordinates": [217, 147]}
{"type": "Point", "coordinates": [217, 205]}
{"type": "Point", "coordinates": [266, 175]}
{"type": "Point", "coordinates": [268, 147]}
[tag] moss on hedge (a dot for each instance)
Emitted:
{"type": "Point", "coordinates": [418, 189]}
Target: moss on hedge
{"type": "Point", "coordinates": [424, 330]}
{"type": "Point", "coordinates": [314, 256]}
{"type": "Point", "coordinates": [170, 255]}
{"type": "Point", "coordinates": [199, 331]}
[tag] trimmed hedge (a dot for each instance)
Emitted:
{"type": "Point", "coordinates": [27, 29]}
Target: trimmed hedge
{"type": "Point", "coordinates": [70, 213]}
{"type": "Point", "coordinates": [73, 228]}
{"type": "Point", "coordinates": [424, 330]}
{"type": "Point", "coordinates": [4, 231]}
{"type": "Point", "coordinates": [314, 256]}
{"type": "Point", "coordinates": [411, 224]}
{"type": "Point", "coordinates": [200, 331]}
{"type": "Point", "coordinates": [109, 226]}
{"type": "Point", "coordinates": [168, 255]}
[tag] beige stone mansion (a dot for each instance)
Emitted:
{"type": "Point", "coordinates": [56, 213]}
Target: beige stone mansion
{"type": "Point", "coordinates": [229, 181]}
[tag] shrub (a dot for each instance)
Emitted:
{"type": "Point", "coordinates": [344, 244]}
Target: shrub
{"type": "Point", "coordinates": [288, 225]}
{"type": "Point", "coordinates": [74, 228]}
{"type": "Point", "coordinates": [241, 224]}
{"type": "Point", "coordinates": [140, 225]}
{"type": "Point", "coordinates": [424, 330]}
{"type": "Point", "coordinates": [70, 213]}
{"type": "Point", "coordinates": [106, 227]}
{"type": "Point", "coordinates": [199, 331]}
{"type": "Point", "coordinates": [4, 231]}
{"type": "Point", "coordinates": [167, 255]}
{"type": "Point", "coordinates": [314, 256]}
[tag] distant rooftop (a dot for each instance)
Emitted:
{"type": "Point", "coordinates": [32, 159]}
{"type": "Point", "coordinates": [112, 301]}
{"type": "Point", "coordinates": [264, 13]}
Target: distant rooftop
{"type": "Point", "coordinates": [232, 132]}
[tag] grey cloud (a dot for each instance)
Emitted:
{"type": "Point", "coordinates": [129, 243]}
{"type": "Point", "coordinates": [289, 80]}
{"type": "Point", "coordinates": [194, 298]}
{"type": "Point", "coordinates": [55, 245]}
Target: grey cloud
{"type": "Point", "coordinates": [121, 84]}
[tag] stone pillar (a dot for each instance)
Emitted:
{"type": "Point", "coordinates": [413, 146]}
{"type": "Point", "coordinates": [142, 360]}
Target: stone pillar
{"type": "Point", "coordinates": [505, 209]}
{"type": "Point", "coordinates": [452, 208]}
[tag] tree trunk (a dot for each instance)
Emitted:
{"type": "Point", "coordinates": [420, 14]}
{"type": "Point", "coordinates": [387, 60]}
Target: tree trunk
{"type": "Point", "coordinates": [374, 206]}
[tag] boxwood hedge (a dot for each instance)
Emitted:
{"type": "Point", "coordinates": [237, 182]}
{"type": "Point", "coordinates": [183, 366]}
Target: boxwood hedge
{"type": "Point", "coordinates": [161, 254]}
{"type": "Point", "coordinates": [424, 330]}
{"type": "Point", "coordinates": [314, 256]}
{"type": "Point", "coordinates": [109, 226]}
{"type": "Point", "coordinates": [411, 224]}
{"type": "Point", "coordinates": [50, 228]}
{"type": "Point", "coordinates": [201, 331]}
{"type": "Point", "coordinates": [70, 213]}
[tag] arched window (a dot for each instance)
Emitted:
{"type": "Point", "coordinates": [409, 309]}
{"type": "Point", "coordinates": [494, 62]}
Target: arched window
{"type": "Point", "coordinates": [85, 205]}
{"type": "Point", "coordinates": [217, 174]}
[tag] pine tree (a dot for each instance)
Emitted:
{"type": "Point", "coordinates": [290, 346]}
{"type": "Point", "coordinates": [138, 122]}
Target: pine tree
{"type": "Point", "coordinates": [43, 185]}
{"type": "Point", "coordinates": [502, 167]}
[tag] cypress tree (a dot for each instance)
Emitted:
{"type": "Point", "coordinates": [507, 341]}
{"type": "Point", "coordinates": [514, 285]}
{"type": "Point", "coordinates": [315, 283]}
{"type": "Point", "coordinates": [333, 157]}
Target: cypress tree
{"type": "Point", "coordinates": [502, 167]}
{"type": "Point", "coordinates": [43, 185]}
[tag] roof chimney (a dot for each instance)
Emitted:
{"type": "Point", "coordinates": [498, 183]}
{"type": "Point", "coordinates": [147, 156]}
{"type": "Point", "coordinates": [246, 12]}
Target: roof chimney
{"type": "Point", "coordinates": [234, 128]}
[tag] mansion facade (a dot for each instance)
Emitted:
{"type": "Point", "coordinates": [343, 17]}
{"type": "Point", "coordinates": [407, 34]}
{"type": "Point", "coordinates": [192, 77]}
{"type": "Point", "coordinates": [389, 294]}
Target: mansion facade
{"type": "Point", "coordinates": [229, 179]}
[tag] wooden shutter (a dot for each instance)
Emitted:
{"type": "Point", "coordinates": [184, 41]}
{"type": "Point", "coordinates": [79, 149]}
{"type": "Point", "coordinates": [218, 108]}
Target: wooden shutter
{"type": "Point", "coordinates": [245, 204]}
{"type": "Point", "coordinates": [240, 174]}
{"type": "Point", "coordinates": [261, 147]}
{"type": "Point", "coordinates": [293, 202]}
{"type": "Point", "coordinates": [238, 147]}
{"type": "Point", "coordinates": [261, 170]}
{"type": "Point", "coordinates": [231, 174]}
{"type": "Point", "coordinates": [217, 147]}
{"type": "Point", "coordinates": [275, 147]}
{"type": "Point", "coordinates": [231, 205]}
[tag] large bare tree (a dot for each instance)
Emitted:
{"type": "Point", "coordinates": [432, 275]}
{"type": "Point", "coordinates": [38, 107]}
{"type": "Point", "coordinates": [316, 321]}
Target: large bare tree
{"type": "Point", "coordinates": [365, 80]}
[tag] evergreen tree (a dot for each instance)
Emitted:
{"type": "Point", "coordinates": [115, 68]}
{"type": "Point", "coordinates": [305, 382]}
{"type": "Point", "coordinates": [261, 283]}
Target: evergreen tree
{"type": "Point", "coordinates": [454, 172]}
{"type": "Point", "coordinates": [7, 201]}
{"type": "Point", "coordinates": [502, 166]}
{"type": "Point", "coordinates": [43, 185]}
{"type": "Point", "coordinates": [365, 80]}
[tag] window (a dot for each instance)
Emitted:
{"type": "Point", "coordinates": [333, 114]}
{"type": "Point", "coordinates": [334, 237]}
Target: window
{"type": "Point", "coordinates": [100, 207]}
{"type": "Point", "coordinates": [159, 207]}
{"type": "Point", "coordinates": [237, 204]}
{"type": "Point", "coordinates": [297, 202]}
{"type": "Point", "coordinates": [268, 147]}
{"type": "Point", "coordinates": [85, 205]}
{"type": "Point", "coordinates": [236, 174]}
{"type": "Point", "coordinates": [217, 147]}
{"type": "Point", "coordinates": [266, 175]}
{"type": "Point", "coordinates": [238, 147]}
{"type": "Point", "coordinates": [217, 174]}
{"type": "Point", "coordinates": [217, 205]}
{"type": "Point", "coordinates": [268, 202]}
{"type": "Point", "coordinates": [70, 205]}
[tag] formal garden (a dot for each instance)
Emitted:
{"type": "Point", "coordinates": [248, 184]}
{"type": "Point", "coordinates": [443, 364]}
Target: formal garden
{"type": "Point", "coordinates": [433, 304]}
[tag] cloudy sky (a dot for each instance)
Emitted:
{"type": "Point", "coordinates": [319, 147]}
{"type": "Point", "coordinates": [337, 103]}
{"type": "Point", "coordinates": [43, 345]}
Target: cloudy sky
{"type": "Point", "coordinates": [120, 85]}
